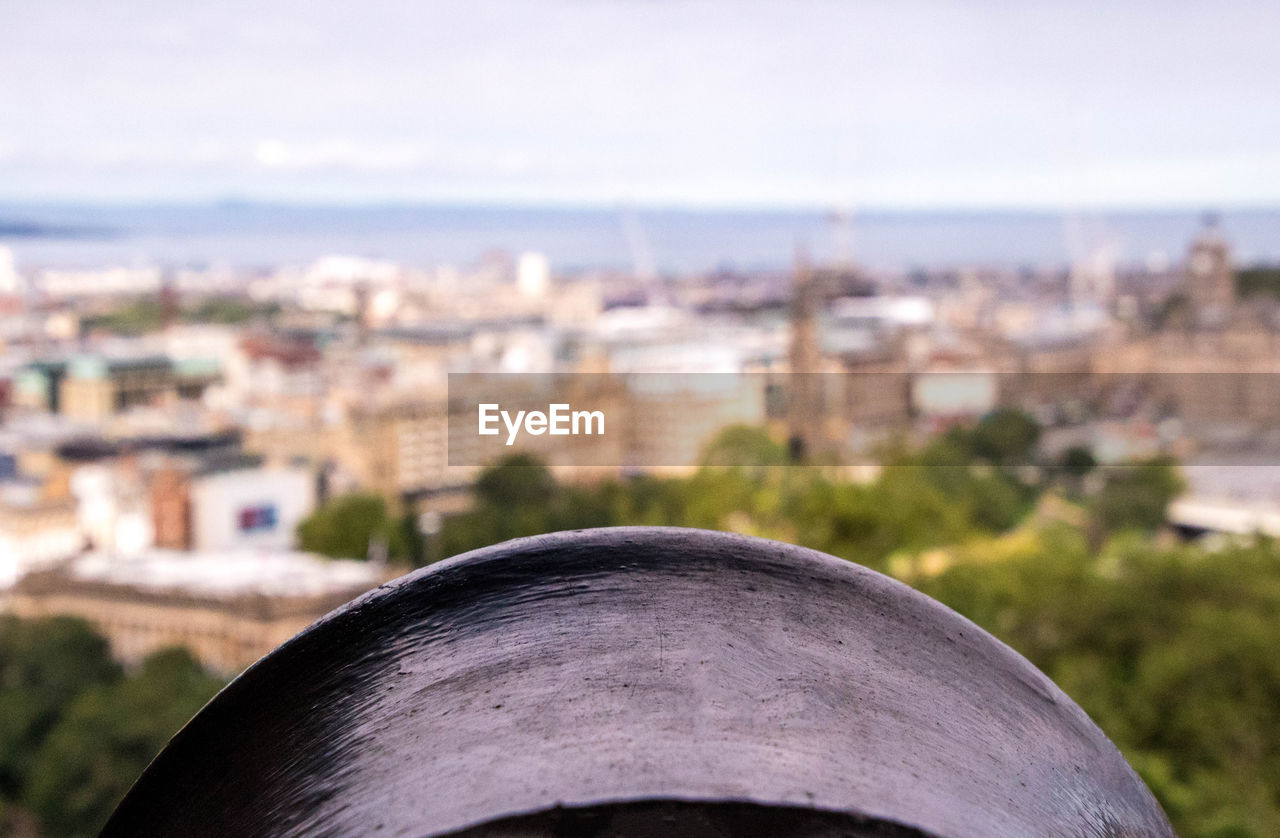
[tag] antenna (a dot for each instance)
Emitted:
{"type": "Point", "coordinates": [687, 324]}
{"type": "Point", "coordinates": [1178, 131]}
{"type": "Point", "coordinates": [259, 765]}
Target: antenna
{"type": "Point", "coordinates": [841, 219]}
{"type": "Point", "coordinates": [637, 244]}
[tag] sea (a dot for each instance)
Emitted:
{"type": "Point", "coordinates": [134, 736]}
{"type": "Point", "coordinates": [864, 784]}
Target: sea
{"type": "Point", "coordinates": [666, 241]}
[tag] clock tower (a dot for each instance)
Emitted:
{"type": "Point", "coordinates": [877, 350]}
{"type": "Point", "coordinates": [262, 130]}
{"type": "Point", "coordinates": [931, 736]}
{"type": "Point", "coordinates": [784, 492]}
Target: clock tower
{"type": "Point", "coordinates": [1211, 286]}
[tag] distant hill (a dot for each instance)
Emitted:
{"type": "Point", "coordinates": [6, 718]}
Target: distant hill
{"type": "Point", "coordinates": [13, 229]}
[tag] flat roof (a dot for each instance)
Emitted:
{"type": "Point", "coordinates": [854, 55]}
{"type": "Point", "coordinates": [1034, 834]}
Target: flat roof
{"type": "Point", "coordinates": [228, 574]}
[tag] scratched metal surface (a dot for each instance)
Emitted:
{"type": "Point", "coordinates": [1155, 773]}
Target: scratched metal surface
{"type": "Point", "coordinates": [639, 664]}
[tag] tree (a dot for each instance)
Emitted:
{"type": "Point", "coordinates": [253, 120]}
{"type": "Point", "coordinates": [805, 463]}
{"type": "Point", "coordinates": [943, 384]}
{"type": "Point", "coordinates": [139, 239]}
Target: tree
{"type": "Point", "coordinates": [1173, 655]}
{"type": "Point", "coordinates": [1072, 467]}
{"type": "Point", "coordinates": [1077, 461]}
{"type": "Point", "coordinates": [1006, 437]}
{"type": "Point", "coordinates": [44, 665]}
{"type": "Point", "coordinates": [108, 736]}
{"type": "Point", "coordinates": [345, 527]}
{"type": "Point", "coordinates": [745, 447]}
{"type": "Point", "coordinates": [992, 498]}
{"type": "Point", "coordinates": [1262, 280]}
{"type": "Point", "coordinates": [520, 479]}
{"type": "Point", "coordinates": [1137, 495]}
{"type": "Point", "coordinates": [518, 496]}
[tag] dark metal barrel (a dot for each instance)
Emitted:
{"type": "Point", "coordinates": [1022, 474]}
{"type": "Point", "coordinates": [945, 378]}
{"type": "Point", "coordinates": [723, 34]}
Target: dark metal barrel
{"type": "Point", "coordinates": [641, 682]}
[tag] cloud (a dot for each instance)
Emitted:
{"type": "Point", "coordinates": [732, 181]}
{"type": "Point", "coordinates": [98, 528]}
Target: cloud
{"type": "Point", "coordinates": [913, 102]}
{"type": "Point", "coordinates": [340, 155]}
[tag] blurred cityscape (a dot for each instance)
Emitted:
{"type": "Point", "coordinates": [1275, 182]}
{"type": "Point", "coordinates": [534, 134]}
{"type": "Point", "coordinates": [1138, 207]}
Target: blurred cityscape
{"type": "Point", "coordinates": [168, 432]}
{"type": "Point", "coordinates": [202, 461]}
{"type": "Point", "coordinates": [210, 459]}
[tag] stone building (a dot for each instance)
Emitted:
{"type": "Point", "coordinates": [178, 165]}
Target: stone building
{"type": "Point", "coordinates": [36, 530]}
{"type": "Point", "coordinates": [1211, 283]}
{"type": "Point", "coordinates": [94, 388]}
{"type": "Point", "coordinates": [228, 609]}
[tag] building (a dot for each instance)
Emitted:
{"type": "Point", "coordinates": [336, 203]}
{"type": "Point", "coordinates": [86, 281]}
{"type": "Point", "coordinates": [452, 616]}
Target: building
{"type": "Point", "coordinates": [10, 279]}
{"type": "Point", "coordinates": [213, 506]}
{"type": "Point", "coordinates": [94, 388]}
{"type": "Point", "coordinates": [111, 498]}
{"type": "Point", "coordinates": [227, 608]}
{"type": "Point", "coordinates": [284, 370]}
{"type": "Point", "coordinates": [38, 528]}
{"type": "Point", "coordinates": [400, 450]}
{"type": "Point", "coordinates": [38, 385]}
{"type": "Point", "coordinates": [250, 507]}
{"type": "Point", "coordinates": [1211, 283]}
{"type": "Point", "coordinates": [668, 421]}
{"type": "Point", "coordinates": [171, 508]}
{"type": "Point", "coordinates": [805, 402]}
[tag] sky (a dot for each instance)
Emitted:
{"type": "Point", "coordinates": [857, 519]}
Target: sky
{"type": "Point", "coordinates": [718, 103]}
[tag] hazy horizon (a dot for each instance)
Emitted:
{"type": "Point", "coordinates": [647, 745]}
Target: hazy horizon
{"type": "Point", "coordinates": [552, 204]}
{"type": "Point", "coordinates": [675, 240]}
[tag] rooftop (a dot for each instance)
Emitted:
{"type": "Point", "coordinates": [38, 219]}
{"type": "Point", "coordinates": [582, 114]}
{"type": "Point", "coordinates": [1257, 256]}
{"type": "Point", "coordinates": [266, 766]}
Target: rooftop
{"type": "Point", "coordinates": [229, 575]}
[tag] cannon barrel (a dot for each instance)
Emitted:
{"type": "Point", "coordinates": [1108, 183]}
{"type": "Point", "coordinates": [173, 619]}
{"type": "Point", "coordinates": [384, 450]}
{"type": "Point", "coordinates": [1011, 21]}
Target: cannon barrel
{"type": "Point", "coordinates": [641, 682]}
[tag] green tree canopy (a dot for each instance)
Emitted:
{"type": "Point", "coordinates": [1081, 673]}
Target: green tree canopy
{"type": "Point", "coordinates": [519, 496]}
{"type": "Point", "coordinates": [344, 528]}
{"type": "Point", "coordinates": [1077, 461]}
{"type": "Point", "coordinates": [744, 446]}
{"type": "Point", "coordinates": [1171, 652]}
{"type": "Point", "coordinates": [1137, 495]}
{"type": "Point", "coordinates": [515, 480]}
{"type": "Point", "coordinates": [44, 665]}
{"type": "Point", "coordinates": [107, 737]}
{"type": "Point", "coordinates": [1259, 281]}
{"type": "Point", "coordinates": [1005, 437]}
